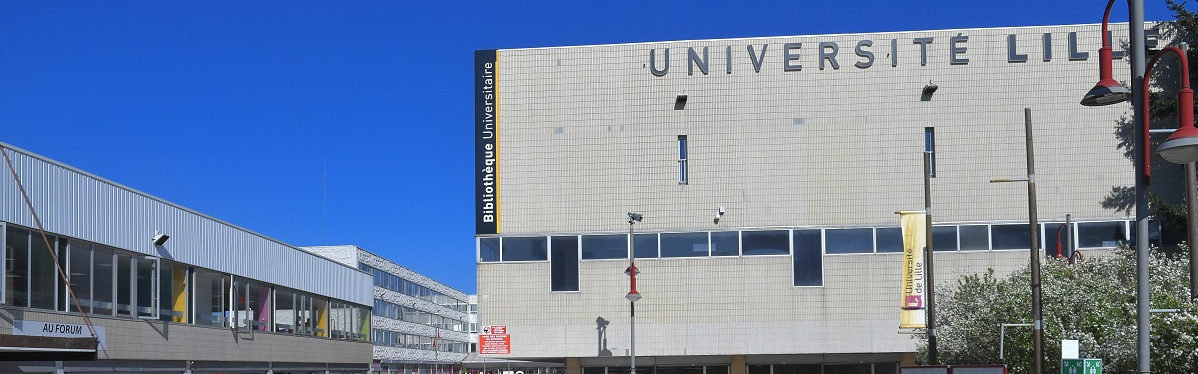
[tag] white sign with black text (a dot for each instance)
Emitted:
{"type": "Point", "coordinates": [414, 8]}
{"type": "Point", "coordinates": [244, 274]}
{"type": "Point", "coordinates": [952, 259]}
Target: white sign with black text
{"type": "Point", "coordinates": [57, 330]}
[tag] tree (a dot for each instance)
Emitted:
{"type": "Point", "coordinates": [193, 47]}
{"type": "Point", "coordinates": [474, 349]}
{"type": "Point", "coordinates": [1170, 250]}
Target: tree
{"type": "Point", "coordinates": [1092, 301]}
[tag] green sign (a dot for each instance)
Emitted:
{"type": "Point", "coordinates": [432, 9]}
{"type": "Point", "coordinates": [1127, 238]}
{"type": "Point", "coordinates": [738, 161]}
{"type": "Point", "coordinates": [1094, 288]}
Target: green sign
{"type": "Point", "coordinates": [1081, 366]}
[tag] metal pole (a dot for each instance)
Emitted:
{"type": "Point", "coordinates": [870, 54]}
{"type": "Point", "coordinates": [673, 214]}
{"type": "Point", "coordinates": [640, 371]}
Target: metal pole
{"type": "Point", "coordinates": [1191, 213]}
{"type": "Point", "coordinates": [1136, 30]}
{"type": "Point", "coordinates": [928, 251]}
{"type": "Point", "coordinates": [632, 304]}
{"type": "Point", "coordinates": [1034, 227]}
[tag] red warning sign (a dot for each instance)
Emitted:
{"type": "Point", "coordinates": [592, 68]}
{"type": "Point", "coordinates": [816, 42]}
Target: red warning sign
{"type": "Point", "coordinates": [494, 340]}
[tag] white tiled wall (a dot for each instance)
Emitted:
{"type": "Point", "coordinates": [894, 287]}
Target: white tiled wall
{"type": "Point", "coordinates": [588, 133]}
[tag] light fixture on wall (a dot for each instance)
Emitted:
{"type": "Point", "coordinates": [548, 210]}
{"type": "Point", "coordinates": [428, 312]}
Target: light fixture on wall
{"type": "Point", "coordinates": [718, 214]}
{"type": "Point", "coordinates": [160, 238]}
{"type": "Point", "coordinates": [930, 88]}
{"type": "Point", "coordinates": [681, 97]}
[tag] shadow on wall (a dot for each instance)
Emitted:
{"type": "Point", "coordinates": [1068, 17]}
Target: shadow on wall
{"type": "Point", "coordinates": [601, 327]}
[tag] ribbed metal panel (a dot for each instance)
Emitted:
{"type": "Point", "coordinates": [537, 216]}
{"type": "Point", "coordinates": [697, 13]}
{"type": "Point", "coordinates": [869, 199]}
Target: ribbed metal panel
{"type": "Point", "coordinates": [76, 204]}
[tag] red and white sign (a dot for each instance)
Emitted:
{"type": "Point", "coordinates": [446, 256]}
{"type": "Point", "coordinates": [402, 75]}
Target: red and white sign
{"type": "Point", "coordinates": [494, 340]}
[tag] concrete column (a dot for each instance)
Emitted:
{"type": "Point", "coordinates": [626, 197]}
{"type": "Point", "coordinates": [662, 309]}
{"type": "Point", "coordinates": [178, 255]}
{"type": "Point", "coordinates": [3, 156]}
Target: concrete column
{"type": "Point", "coordinates": [573, 365]}
{"type": "Point", "coordinates": [738, 365]}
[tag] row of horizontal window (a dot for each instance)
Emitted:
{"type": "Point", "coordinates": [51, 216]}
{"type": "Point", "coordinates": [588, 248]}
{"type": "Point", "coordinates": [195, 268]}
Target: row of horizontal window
{"type": "Point", "coordinates": [964, 237]}
{"type": "Point", "coordinates": [399, 284]}
{"type": "Point", "coordinates": [394, 311]}
{"type": "Point", "coordinates": [384, 338]}
{"type": "Point", "coordinates": [112, 282]}
{"type": "Point", "coordinates": [857, 368]}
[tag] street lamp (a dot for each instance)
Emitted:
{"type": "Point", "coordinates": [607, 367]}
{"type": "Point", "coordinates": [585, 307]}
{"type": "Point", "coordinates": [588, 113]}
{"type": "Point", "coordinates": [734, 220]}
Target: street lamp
{"type": "Point", "coordinates": [1034, 231]}
{"type": "Point", "coordinates": [1182, 148]}
{"type": "Point", "coordinates": [633, 296]}
{"type": "Point", "coordinates": [1136, 45]}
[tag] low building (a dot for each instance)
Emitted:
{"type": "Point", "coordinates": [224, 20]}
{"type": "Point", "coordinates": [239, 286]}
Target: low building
{"type": "Point", "coordinates": [420, 325]}
{"type": "Point", "coordinates": [122, 281]}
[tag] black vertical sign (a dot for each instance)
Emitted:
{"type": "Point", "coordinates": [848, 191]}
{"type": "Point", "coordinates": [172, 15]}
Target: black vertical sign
{"type": "Point", "coordinates": [486, 141]}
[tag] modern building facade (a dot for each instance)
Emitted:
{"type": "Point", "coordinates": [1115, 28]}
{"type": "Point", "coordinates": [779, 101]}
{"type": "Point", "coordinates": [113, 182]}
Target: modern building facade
{"type": "Point", "coordinates": [768, 172]}
{"type": "Point", "coordinates": [165, 289]}
{"type": "Point", "coordinates": [420, 325]}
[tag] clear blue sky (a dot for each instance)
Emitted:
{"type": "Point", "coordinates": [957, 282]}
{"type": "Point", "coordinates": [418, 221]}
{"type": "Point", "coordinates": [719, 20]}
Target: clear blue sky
{"type": "Point", "coordinates": [232, 108]}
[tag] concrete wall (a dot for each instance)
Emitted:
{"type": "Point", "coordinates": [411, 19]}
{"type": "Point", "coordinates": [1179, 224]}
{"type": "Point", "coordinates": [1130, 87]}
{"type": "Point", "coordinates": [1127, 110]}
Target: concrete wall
{"type": "Point", "coordinates": [589, 133]}
{"type": "Point", "coordinates": [153, 340]}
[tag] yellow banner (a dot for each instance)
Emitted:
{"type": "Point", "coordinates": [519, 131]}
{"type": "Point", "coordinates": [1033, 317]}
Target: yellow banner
{"type": "Point", "coordinates": [913, 314]}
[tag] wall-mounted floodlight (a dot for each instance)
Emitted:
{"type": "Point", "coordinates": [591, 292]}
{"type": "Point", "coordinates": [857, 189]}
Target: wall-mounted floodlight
{"type": "Point", "coordinates": [930, 88]}
{"type": "Point", "coordinates": [681, 97]}
{"type": "Point", "coordinates": [160, 239]}
{"type": "Point", "coordinates": [719, 213]}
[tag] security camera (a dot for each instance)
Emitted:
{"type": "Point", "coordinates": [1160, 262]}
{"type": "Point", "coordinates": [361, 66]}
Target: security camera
{"type": "Point", "coordinates": [717, 219]}
{"type": "Point", "coordinates": [634, 217]}
{"type": "Point", "coordinates": [721, 210]}
{"type": "Point", "coordinates": [160, 239]}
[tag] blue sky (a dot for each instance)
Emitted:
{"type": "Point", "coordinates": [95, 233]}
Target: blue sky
{"type": "Point", "coordinates": [233, 108]}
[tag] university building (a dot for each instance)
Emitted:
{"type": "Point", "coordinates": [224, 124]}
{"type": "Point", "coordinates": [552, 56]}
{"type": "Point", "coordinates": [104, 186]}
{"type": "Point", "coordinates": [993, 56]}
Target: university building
{"type": "Point", "coordinates": [121, 281]}
{"type": "Point", "coordinates": [420, 325]}
{"type": "Point", "coordinates": [768, 172]}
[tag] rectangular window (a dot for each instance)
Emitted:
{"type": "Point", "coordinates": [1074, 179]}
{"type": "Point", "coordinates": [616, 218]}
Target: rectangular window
{"type": "Point", "coordinates": [764, 243]}
{"type": "Point", "coordinates": [16, 267]}
{"type": "Point", "coordinates": [146, 287]}
{"type": "Point", "coordinates": [488, 249]}
{"type": "Point", "coordinates": [1016, 236]}
{"type": "Point", "coordinates": [102, 299]}
{"type": "Point", "coordinates": [64, 302]}
{"type": "Point", "coordinates": [808, 258]}
{"type": "Point", "coordinates": [646, 245]}
{"type": "Point", "coordinates": [684, 244]}
{"type": "Point", "coordinates": [284, 315]}
{"type": "Point", "coordinates": [929, 147]}
{"type": "Point", "coordinates": [43, 273]}
{"type": "Point", "coordinates": [564, 263]}
{"type": "Point", "coordinates": [210, 289]}
{"type": "Point", "coordinates": [849, 240]}
{"type": "Point", "coordinates": [81, 276]}
{"type": "Point", "coordinates": [944, 238]}
{"type": "Point", "coordinates": [172, 297]}
{"type": "Point", "coordinates": [598, 247]}
{"type": "Point", "coordinates": [974, 237]}
{"type": "Point", "coordinates": [258, 307]}
{"type": "Point", "coordinates": [725, 243]}
{"type": "Point", "coordinates": [682, 175]}
{"type": "Point", "coordinates": [1100, 234]}
{"type": "Point", "coordinates": [124, 284]}
{"type": "Point", "coordinates": [888, 239]}
{"type": "Point", "coordinates": [535, 248]}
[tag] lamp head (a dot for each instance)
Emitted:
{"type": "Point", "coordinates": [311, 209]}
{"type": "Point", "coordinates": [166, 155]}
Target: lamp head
{"type": "Point", "coordinates": [634, 217]}
{"type": "Point", "coordinates": [160, 239]}
{"type": "Point", "coordinates": [633, 296]}
{"type": "Point", "coordinates": [930, 88]}
{"type": "Point", "coordinates": [1182, 146]}
{"type": "Point", "coordinates": [1108, 91]}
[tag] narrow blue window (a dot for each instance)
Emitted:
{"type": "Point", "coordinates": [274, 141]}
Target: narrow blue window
{"type": "Point", "coordinates": [682, 177]}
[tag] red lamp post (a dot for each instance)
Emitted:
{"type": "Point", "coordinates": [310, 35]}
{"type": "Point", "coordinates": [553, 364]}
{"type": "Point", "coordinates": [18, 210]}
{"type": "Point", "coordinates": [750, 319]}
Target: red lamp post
{"type": "Point", "coordinates": [1182, 146]}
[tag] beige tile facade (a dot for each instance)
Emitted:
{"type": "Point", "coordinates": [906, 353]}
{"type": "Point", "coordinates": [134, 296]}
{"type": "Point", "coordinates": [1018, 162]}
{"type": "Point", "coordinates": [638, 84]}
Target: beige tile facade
{"type": "Point", "coordinates": [587, 134]}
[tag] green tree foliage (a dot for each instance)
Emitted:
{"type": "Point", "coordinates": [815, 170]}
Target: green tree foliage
{"type": "Point", "coordinates": [1162, 99]}
{"type": "Point", "coordinates": [1092, 301]}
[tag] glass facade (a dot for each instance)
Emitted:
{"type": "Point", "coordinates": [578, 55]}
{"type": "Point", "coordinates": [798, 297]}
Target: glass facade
{"type": "Point", "coordinates": [115, 283]}
{"type": "Point", "coordinates": [564, 248]}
